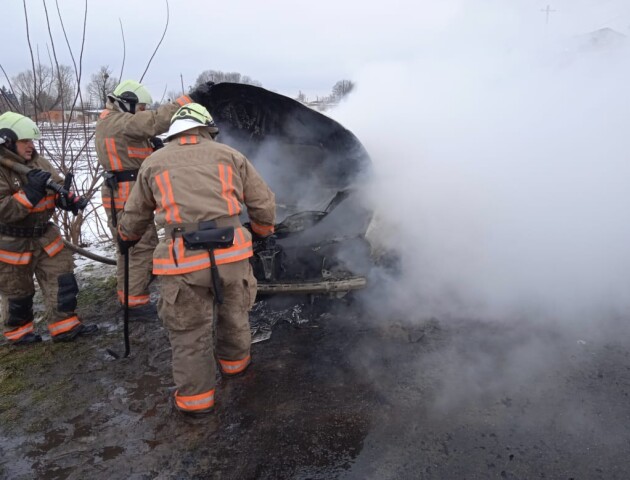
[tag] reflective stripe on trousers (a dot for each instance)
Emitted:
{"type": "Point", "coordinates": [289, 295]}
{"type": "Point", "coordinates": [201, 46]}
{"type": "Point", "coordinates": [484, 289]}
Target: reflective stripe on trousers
{"type": "Point", "coordinates": [234, 367]}
{"type": "Point", "coordinates": [193, 403]}
{"type": "Point", "coordinates": [63, 326]}
{"type": "Point", "coordinates": [134, 300]}
{"type": "Point", "coordinates": [16, 334]}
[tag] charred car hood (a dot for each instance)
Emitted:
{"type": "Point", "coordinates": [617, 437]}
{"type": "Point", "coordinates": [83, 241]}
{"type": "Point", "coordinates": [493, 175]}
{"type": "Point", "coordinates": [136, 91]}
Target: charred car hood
{"type": "Point", "coordinates": [313, 164]}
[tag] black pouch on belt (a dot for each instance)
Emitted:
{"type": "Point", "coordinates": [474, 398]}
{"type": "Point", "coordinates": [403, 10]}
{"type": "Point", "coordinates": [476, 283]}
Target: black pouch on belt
{"type": "Point", "coordinates": [209, 239]}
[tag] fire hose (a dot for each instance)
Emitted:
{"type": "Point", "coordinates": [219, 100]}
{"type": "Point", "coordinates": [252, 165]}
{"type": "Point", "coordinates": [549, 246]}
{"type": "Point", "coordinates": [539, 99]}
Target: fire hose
{"type": "Point", "coordinates": [87, 254]}
{"type": "Point", "coordinates": [18, 167]}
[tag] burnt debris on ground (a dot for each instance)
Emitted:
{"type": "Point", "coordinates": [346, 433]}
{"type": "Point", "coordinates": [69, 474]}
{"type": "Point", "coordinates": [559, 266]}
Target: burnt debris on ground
{"type": "Point", "coordinates": [334, 392]}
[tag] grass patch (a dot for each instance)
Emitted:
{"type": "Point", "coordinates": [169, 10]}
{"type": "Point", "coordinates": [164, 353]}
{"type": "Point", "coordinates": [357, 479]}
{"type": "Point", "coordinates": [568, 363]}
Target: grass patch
{"type": "Point", "coordinates": [96, 291]}
{"type": "Point", "coordinates": [17, 366]}
{"type": "Point", "coordinates": [16, 363]}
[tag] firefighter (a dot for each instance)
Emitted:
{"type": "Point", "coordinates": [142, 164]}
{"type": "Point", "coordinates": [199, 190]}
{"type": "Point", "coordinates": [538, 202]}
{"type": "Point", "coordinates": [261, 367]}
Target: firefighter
{"type": "Point", "coordinates": [195, 179]}
{"type": "Point", "coordinates": [125, 136]}
{"type": "Point", "coordinates": [31, 245]}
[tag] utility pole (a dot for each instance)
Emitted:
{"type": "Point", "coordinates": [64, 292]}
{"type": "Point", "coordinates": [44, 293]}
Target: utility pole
{"type": "Point", "coordinates": [181, 78]}
{"type": "Point", "coordinates": [105, 92]}
{"type": "Point", "coordinates": [548, 11]}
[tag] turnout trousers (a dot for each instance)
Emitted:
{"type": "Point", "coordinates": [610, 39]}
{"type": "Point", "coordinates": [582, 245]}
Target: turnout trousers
{"type": "Point", "coordinates": [59, 288]}
{"type": "Point", "coordinates": [186, 308]}
{"type": "Point", "coordinates": [140, 266]}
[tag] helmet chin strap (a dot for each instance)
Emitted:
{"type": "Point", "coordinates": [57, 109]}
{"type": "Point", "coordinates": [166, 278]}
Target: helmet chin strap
{"type": "Point", "coordinates": [128, 107]}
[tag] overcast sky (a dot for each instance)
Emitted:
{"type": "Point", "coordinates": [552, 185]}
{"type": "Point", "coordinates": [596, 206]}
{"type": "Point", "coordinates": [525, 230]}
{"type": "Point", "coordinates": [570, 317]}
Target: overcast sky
{"type": "Point", "coordinates": [286, 45]}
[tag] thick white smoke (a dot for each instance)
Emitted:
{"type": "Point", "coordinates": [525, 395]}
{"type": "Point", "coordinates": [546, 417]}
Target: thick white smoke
{"type": "Point", "coordinates": [502, 167]}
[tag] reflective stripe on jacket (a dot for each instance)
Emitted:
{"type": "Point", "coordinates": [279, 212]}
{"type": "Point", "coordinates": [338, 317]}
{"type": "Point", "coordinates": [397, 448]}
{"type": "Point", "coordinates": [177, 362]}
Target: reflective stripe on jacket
{"type": "Point", "coordinates": [194, 179]}
{"type": "Point", "coordinates": [122, 142]}
{"type": "Point", "coordinates": [17, 211]}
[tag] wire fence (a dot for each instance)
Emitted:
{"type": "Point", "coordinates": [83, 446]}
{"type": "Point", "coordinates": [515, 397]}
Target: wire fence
{"type": "Point", "coordinates": [70, 148]}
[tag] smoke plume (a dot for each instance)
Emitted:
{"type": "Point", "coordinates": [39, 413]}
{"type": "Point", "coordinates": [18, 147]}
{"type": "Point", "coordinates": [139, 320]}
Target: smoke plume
{"type": "Point", "coordinates": [501, 170]}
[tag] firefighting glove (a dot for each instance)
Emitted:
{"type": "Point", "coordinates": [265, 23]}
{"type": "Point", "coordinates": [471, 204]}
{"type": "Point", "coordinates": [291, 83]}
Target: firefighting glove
{"type": "Point", "coordinates": [35, 189]}
{"type": "Point", "coordinates": [199, 93]}
{"type": "Point", "coordinates": [125, 245]}
{"type": "Point", "coordinates": [259, 243]}
{"type": "Point", "coordinates": [156, 143]}
{"type": "Point", "coordinates": [68, 201]}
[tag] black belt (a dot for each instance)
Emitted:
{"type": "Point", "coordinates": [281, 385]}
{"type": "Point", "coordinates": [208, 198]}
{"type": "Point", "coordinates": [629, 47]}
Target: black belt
{"type": "Point", "coordinates": [112, 179]}
{"type": "Point", "coordinates": [23, 232]}
{"type": "Point", "coordinates": [173, 229]}
{"type": "Point", "coordinates": [125, 175]}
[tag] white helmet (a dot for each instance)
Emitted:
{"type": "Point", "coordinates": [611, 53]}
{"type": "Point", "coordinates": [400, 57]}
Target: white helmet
{"type": "Point", "coordinates": [191, 115]}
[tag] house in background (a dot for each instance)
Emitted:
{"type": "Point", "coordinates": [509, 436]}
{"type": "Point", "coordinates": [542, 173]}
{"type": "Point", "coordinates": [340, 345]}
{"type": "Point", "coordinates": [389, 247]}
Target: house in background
{"type": "Point", "coordinates": [73, 116]}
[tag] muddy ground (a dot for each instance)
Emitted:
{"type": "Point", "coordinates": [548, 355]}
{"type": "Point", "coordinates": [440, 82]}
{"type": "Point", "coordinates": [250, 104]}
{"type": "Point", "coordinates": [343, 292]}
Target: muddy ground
{"type": "Point", "coordinates": [336, 392]}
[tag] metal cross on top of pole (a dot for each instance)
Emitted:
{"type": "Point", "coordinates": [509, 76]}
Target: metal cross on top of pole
{"type": "Point", "coordinates": [548, 11]}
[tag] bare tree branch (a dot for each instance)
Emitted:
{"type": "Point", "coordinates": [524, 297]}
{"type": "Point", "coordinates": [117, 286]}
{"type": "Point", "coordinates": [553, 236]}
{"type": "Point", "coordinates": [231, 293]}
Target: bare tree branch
{"type": "Point", "coordinates": [163, 94]}
{"type": "Point", "coordinates": [30, 48]}
{"type": "Point", "coordinates": [159, 43]}
{"type": "Point", "coordinates": [60, 93]}
{"type": "Point", "coordinates": [122, 32]}
{"type": "Point", "coordinates": [77, 70]}
{"type": "Point", "coordinates": [70, 148]}
{"type": "Point", "coordinates": [9, 100]}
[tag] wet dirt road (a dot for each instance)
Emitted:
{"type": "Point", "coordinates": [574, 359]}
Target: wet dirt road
{"type": "Point", "coordinates": [342, 395]}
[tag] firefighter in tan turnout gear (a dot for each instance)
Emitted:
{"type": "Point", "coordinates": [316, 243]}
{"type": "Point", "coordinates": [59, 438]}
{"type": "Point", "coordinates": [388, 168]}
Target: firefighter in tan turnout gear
{"type": "Point", "coordinates": [30, 244]}
{"type": "Point", "coordinates": [123, 140]}
{"type": "Point", "coordinates": [198, 185]}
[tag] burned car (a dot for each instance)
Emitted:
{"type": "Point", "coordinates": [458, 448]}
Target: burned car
{"type": "Point", "coordinates": [315, 167]}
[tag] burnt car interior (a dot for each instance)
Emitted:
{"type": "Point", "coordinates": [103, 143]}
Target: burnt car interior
{"type": "Point", "coordinates": [316, 168]}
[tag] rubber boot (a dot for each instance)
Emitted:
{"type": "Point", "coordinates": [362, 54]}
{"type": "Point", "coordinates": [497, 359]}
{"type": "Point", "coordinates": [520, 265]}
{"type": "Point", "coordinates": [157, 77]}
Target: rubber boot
{"type": "Point", "coordinates": [80, 329]}
{"type": "Point", "coordinates": [27, 339]}
{"type": "Point", "coordinates": [196, 417]}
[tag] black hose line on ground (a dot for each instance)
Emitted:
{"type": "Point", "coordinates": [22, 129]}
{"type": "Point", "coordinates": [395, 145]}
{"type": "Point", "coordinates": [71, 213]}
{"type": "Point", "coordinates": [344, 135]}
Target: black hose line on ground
{"type": "Point", "coordinates": [88, 254]}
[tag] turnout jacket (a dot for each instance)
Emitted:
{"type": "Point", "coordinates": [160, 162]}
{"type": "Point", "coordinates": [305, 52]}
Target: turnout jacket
{"type": "Point", "coordinates": [17, 212]}
{"type": "Point", "coordinates": [122, 142]}
{"type": "Point", "coordinates": [194, 179]}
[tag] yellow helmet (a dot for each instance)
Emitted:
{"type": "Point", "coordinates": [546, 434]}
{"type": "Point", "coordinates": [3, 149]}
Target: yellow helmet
{"type": "Point", "coordinates": [18, 127]}
{"type": "Point", "coordinates": [130, 93]}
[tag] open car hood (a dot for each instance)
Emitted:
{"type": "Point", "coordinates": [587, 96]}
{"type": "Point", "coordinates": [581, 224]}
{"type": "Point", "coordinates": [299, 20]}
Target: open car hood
{"type": "Point", "coordinates": [314, 165]}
